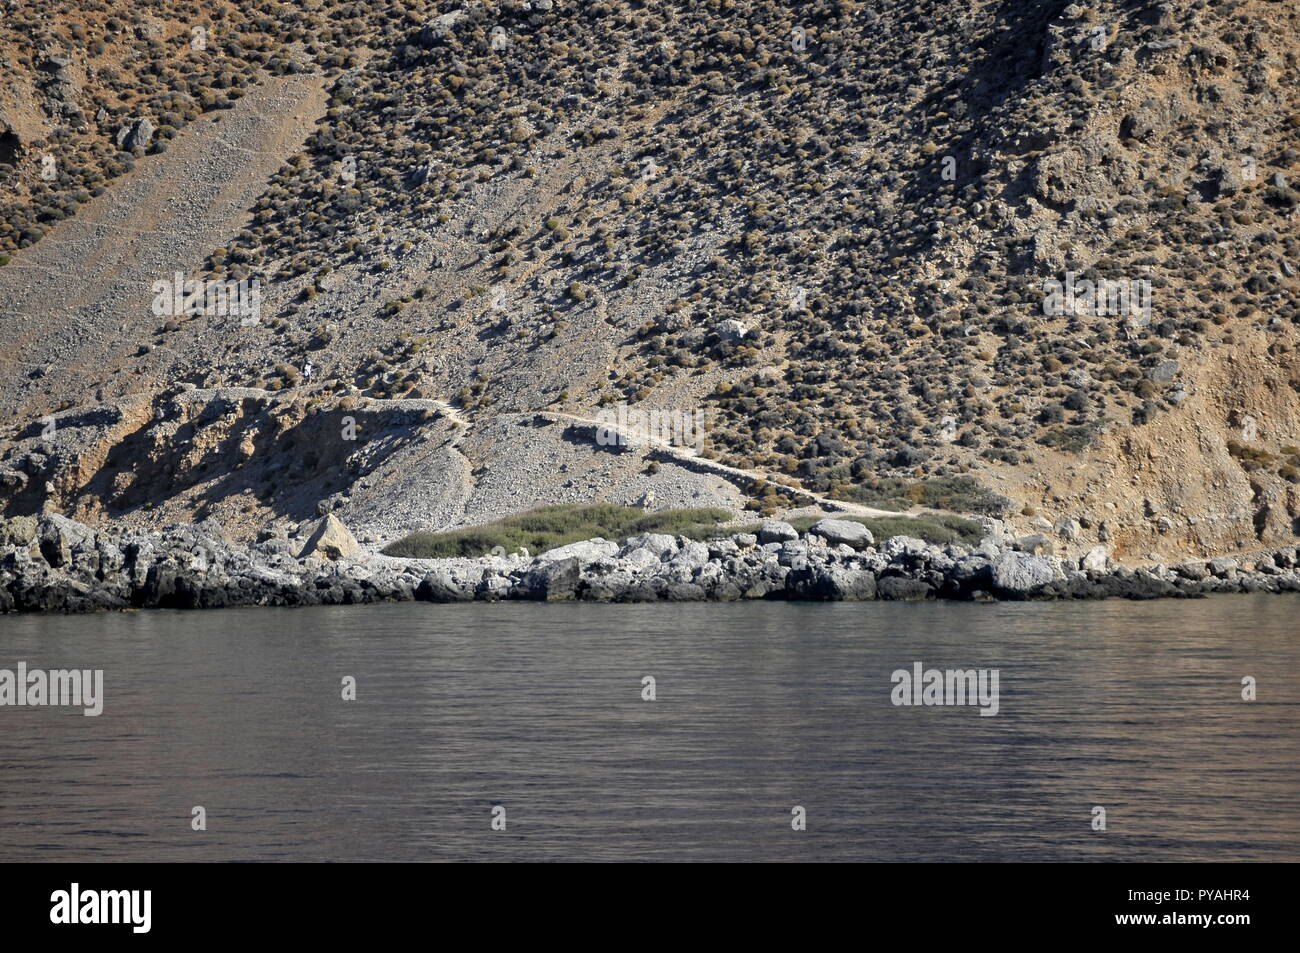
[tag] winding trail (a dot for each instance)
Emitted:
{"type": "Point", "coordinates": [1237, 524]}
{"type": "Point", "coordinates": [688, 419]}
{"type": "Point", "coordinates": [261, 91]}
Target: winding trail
{"type": "Point", "coordinates": [691, 459]}
{"type": "Point", "coordinates": [686, 457]}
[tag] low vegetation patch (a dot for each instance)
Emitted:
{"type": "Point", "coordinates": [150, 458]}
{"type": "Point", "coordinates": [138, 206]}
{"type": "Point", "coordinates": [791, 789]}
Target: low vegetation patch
{"type": "Point", "coordinates": [1070, 439]}
{"type": "Point", "coordinates": [1250, 458]}
{"type": "Point", "coordinates": [551, 526]}
{"type": "Point", "coordinates": [961, 494]}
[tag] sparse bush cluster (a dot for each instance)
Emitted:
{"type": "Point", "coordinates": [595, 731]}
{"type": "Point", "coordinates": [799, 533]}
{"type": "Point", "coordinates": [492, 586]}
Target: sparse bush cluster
{"type": "Point", "coordinates": [551, 526]}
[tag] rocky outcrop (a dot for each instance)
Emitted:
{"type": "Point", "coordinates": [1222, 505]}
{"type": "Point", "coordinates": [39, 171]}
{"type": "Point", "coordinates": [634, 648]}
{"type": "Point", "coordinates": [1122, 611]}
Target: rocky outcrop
{"type": "Point", "coordinates": [331, 539]}
{"type": "Point", "coordinates": [136, 134]}
{"type": "Point", "coordinates": [1018, 573]}
{"type": "Point", "coordinates": [54, 564]}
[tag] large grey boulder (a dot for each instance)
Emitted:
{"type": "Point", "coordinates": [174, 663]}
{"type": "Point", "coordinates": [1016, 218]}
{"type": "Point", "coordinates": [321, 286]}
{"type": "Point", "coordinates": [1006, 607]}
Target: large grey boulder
{"type": "Point", "coordinates": [552, 581]}
{"type": "Point", "coordinates": [441, 585]}
{"type": "Point", "coordinates": [792, 553]}
{"type": "Point", "coordinates": [493, 586]}
{"type": "Point", "coordinates": [1068, 528]}
{"type": "Point", "coordinates": [846, 532]}
{"type": "Point", "coordinates": [833, 583]}
{"type": "Point", "coordinates": [1020, 573]}
{"type": "Point", "coordinates": [775, 531]}
{"type": "Point", "coordinates": [276, 546]}
{"type": "Point", "coordinates": [898, 549]}
{"type": "Point", "coordinates": [1164, 372]}
{"type": "Point", "coordinates": [686, 563]}
{"type": "Point", "coordinates": [1225, 567]}
{"type": "Point", "coordinates": [732, 331]}
{"type": "Point", "coordinates": [973, 571]}
{"type": "Point", "coordinates": [658, 545]}
{"type": "Point", "coordinates": [440, 28]}
{"type": "Point", "coordinates": [61, 539]}
{"type": "Point", "coordinates": [641, 559]}
{"type": "Point", "coordinates": [692, 556]}
{"type": "Point", "coordinates": [903, 589]}
{"type": "Point", "coordinates": [1227, 179]}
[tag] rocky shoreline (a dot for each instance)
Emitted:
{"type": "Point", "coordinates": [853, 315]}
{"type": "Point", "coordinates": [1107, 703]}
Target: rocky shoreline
{"type": "Point", "coordinates": [53, 564]}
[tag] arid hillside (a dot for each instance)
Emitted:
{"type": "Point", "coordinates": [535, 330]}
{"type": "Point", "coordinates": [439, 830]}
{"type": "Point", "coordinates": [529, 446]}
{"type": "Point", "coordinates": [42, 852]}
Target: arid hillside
{"type": "Point", "coordinates": [893, 252]}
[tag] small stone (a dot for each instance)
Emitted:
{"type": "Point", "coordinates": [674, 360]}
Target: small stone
{"type": "Point", "coordinates": [1164, 372]}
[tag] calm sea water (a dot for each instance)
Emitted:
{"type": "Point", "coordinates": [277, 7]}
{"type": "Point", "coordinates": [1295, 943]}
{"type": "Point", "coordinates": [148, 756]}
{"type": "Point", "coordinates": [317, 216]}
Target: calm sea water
{"type": "Point", "coordinates": [1134, 707]}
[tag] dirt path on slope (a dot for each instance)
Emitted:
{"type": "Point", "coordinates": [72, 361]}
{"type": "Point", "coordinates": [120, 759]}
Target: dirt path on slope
{"type": "Point", "coordinates": [685, 457]}
{"type": "Point", "coordinates": [689, 457]}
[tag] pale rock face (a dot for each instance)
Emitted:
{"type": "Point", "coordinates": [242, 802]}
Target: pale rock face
{"type": "Point", "coordinates": [1022, 572]}
{"type": "Point", "coordinates": [693, 555]}
{"type": "Point", "coordinates": [331, 539]}
{"type": "Point", "coordinates": [776, 531]}
{"type": "Point", "coordinates": [657, 545]}
{"type": "Point", "coordinates": [732, 331]}
{"type": "Point", "coordinates": [900, 548]}
{"type": "Point", "coordinates": [1069, 529]}
{"type": "Point", "coordinates": [847, 532]}
{"type": "Point", "coordinates": [585, 551]}
{"type": "Point", "coordinates": [641, 558]}
{"type": "Point", "coordinates": [1094, 560]}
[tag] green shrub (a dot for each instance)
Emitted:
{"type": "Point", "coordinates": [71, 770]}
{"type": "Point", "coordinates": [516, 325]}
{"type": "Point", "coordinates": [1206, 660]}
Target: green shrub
{"type": "Point", "coordinates": [1250, 458]}
{"type": "Point", "coordinates": [551, 526]}
{"type": "Point", "coordinates": [960, 494]}
{"type": "Point", "coordinates": [1071, 439]}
